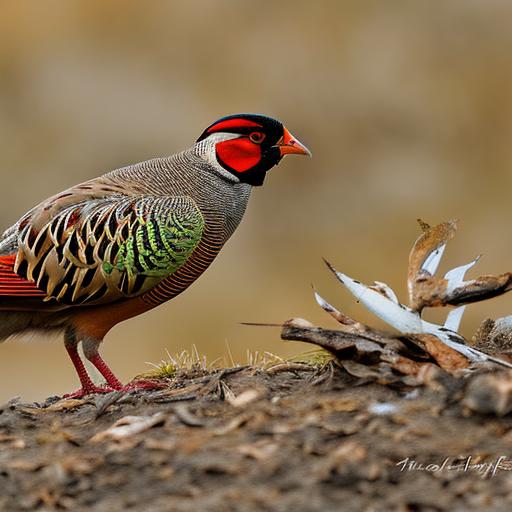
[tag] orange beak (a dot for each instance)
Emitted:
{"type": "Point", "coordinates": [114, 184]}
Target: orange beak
{"type": "Point", "coordinates": [289, 145]}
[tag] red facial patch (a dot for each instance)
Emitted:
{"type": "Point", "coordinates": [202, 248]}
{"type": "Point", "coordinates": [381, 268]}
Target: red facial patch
{"type": "Point", "coordinates": [233, 123]}
{"type": "Point", "coordinates": [239, 154]}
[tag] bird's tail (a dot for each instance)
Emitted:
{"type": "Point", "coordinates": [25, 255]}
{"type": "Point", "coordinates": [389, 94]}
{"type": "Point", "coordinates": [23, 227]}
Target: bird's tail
{"type": "Point", "coordinates": [13, 285]}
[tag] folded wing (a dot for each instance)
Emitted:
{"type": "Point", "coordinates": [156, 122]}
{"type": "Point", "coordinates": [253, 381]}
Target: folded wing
{"type": "Point", "coordinates": [102, 250]}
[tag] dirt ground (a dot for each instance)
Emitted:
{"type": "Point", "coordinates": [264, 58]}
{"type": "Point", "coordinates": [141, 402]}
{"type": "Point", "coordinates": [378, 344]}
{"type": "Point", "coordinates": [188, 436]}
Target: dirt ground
{"type": "Point", "coordinates": [243, 439]}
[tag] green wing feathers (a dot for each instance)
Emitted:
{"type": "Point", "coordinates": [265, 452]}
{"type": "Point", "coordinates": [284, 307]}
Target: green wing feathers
{"type": "Point", "coordinates": [155, 249]}
{"type": "Point", "coordinates": [100, 251]}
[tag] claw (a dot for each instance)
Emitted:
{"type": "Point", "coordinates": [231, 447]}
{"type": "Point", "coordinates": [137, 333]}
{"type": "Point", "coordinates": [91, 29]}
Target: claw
{"type": "Point", "coordinates": [132, 386]}
{"type": "Point", "coordinates": [83, 392]}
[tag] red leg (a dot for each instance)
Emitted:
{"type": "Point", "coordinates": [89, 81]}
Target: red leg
{"type": "Point", "coordinates": [90, 346]}
{"type": "Point", "coordinates": [107, 373]}
{"type": "Point", "coordinates": [88, 387]}
{"type": "Point", "coordinates": [113, 381]}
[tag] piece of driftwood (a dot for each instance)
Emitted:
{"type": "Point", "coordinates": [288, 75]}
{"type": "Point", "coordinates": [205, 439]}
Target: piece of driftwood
{"type": "Point", "coordinates": [427, 290]}
{"type": "Point", "coordinates": [420, 342]}
{"type": "Point", "coordinates": [406, 355]}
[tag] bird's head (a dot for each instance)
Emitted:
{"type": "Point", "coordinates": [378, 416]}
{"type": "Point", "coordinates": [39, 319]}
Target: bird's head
{"type": "Point", "coordinates": [247, 146]}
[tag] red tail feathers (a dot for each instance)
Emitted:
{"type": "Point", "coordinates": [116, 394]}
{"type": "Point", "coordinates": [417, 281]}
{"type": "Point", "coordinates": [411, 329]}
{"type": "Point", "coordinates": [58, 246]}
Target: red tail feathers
{"type": "Point", "coordinates": [11, 284]}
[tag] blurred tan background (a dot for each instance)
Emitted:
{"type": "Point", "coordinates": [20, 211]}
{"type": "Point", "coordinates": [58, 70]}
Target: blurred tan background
{"type": "Point", "coordinates": [407, 107]}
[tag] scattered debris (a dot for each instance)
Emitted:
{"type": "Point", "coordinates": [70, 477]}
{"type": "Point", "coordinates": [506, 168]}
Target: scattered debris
{"type": "Point", "coordinates": [10, 441]}
{"type": "Point", "coordinates": [490, 394]}
{"type": "Point", "coordinates": [383, 408]}
{"type": "Point", "coordinates": [183, 413]}
{"type": "Point", "coordinates": [261, 450]}
{"type": "Point", "coordinates": [246, 397]}
{"type": "Point", "coordinates": [335, 433]}
{"type": "Point", "coordinates": [371, 353]}
{"type": "Point", "coordinates": [103, 402]}
{"type": "Point", "coordinates": [129, 426]}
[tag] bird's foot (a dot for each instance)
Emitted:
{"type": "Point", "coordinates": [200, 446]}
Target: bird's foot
{"type": "Point", "coordinates": [144, 384]}
{"type": "Point", "coordinates": [132, 386]}
{"type": "Point", "coordinates": [89, 390]}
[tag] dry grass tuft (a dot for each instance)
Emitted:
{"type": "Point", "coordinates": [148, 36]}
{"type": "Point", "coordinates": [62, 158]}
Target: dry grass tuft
{"type": "Point", "coordinates": [187, 361]}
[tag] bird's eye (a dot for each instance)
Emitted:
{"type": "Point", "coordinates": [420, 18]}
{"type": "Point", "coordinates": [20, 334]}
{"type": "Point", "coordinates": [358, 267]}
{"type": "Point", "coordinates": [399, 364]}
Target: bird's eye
{"type": "Point", "coordinates": [257, 137]}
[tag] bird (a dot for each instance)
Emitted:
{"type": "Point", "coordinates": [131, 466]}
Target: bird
{"type": "Point", "coordinates": [123, 243]}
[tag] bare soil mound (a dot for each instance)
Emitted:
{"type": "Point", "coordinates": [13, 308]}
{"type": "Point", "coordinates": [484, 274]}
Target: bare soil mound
{"type": "Point", "coordinates": [244, 439]}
